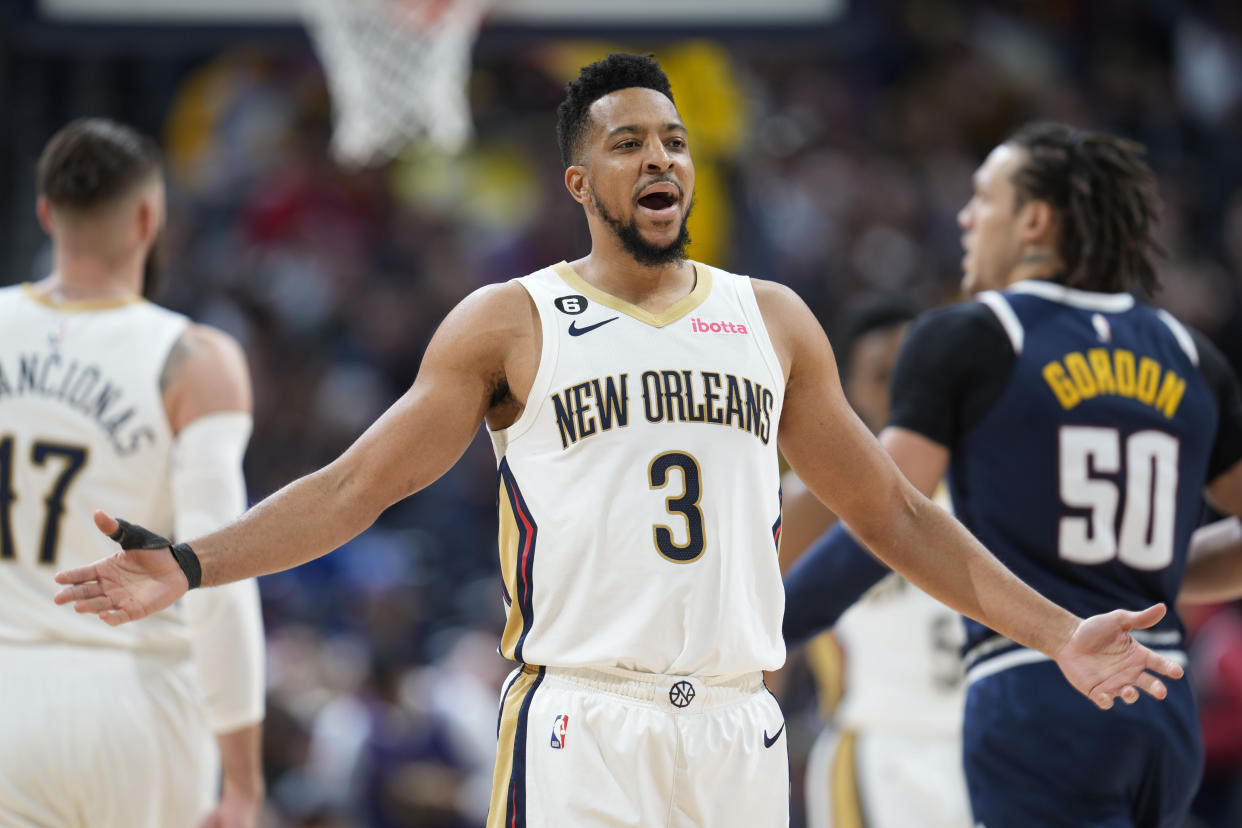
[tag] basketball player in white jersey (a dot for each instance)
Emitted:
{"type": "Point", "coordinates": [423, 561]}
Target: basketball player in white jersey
{"type": "Point", "coordinates": [635, 399]}
{"type": "Point", "coordinates": [107, 399]}
{"type": "Point", "coordinates": [889, 675]}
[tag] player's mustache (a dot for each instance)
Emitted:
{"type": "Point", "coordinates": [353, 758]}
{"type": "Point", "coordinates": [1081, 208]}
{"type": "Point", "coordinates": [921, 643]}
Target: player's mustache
{"type": "Point", "coordinates": [662, 179]}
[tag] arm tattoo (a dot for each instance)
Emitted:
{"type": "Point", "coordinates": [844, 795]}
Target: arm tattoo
{"type": "Point", "coordinates": [177, 356]}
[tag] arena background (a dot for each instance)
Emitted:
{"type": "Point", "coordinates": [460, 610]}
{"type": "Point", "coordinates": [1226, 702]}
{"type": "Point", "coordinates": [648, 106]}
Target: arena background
{"type": "Point", "coordinates": [834, 141]}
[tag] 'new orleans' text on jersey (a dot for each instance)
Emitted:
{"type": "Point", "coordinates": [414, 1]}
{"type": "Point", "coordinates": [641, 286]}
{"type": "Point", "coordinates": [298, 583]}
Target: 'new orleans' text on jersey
{"type": "Point", "coordinates": [668, 395]}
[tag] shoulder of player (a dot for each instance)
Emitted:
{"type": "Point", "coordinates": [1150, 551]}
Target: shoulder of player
{"type": "Point", "coordinates": [203, 349]}
{"type": "Point", "coordinates": [960, 322]}
{"type": "Point", "coordinates": [206, 371]}
{"type": "Point", "coordinates": [796, 335]}
{"type": "Point", "coordinates": [501, 300]}
{"type": "Point", "coordinates": [491, 317]}
{"type": "Point", "coordinates": [774, 295]}
{"type": "Point", "coordinates": [954, 346]}
{"type": "Point", "coordinates": [784, 312]}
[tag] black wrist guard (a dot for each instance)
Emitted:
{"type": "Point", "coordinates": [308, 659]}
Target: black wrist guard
{"type": "Point", "coordinates": [188, 561]}
{"type": "Point", "coordinates": [132, 536]}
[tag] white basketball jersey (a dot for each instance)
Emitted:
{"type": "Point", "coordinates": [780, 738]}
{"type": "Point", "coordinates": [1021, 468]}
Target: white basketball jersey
{"type": "Point", "coordinates": [82, 427]}
{"type": "Point", "coordinates": [639, 490]}
{"type": "Point", "coordinates": [903, 664]}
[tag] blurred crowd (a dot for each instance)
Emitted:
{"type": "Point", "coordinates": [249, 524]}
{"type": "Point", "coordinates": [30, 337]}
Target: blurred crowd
{"type": "Point", "coordinates": [834, 162]}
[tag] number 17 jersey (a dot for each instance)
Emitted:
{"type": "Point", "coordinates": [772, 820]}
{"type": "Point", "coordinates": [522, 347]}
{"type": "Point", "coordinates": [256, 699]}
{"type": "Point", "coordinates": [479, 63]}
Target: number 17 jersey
{"type": "Point", "coordinates": [82, 427]}
{"type": "Point", "coordinates": [639, 492]}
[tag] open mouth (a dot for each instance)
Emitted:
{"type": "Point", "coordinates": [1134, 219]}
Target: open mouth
{"type": "Point", "coordinates": [659, 197]}
{"type": "Point", "coordinates": [658, 201]}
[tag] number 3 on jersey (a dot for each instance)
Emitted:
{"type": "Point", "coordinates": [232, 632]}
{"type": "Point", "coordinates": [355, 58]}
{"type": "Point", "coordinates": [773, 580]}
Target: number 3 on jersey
{"type": "Point", "coordinates": [74, 459]}
{"type": "Point", "coordinates": [686, 505]}
{"type": "Point", "coordinates": [1147, 516]}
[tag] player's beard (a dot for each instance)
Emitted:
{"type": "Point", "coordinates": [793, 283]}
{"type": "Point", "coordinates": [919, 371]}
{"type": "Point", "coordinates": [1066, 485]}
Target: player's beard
{"type": "Point", "coordinates": [643, 251]}
{"type": "Point", "coordinates": [153, 269]}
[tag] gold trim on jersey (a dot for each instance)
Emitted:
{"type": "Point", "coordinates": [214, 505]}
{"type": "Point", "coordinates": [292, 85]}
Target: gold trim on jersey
{"type": "Point", "coordinates": [827, 663]}
{"type": "Point", "coordinates": [510, 547]}
{"type": "Point", "coordinates": [696, 297]}
{"type": "Point", "coordinates": [78, 305]}
{"type": "Point", "coordinates": [846, 803]}
{"type": "Point", "coordinates": [510, 712]}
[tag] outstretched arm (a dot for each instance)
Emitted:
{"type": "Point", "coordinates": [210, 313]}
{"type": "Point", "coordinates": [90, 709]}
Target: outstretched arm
{"type": "Point", "coordinates": [841, 462]}
{"type": "Point", "coordinates": [1214, 568]}
{"type": "Point", "coordinates": [837, 570]}
{"type": "Point", "coordinates": [465, 370]}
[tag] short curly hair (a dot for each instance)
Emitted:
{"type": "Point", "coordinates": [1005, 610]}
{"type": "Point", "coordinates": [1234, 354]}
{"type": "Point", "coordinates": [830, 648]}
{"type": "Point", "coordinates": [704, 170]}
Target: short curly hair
{"type": "Point", "coordinates": [620, 70]}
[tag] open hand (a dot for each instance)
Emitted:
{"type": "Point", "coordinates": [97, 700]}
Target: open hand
{"type": "Point", "coordinates": [1103, 661]}
{"type": "Point", "coordinates": [125, 586]}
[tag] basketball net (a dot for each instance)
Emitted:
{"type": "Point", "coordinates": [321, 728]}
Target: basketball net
{"type": "Point", "coordinates": [396, 70]}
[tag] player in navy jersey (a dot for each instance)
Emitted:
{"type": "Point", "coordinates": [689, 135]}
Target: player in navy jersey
{"type": "Point", "coordinates": [1079, 429]}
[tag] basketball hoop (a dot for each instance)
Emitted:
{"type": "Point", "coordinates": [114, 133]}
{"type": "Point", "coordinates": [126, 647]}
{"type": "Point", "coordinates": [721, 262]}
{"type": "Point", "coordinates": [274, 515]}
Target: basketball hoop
{"type": "Point", "coordinates": [396, 70]}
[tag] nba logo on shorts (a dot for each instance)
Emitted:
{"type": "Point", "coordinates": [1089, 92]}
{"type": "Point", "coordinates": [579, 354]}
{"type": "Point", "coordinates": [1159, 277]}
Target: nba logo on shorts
{"type": "Point", "coordinates": [558, 731]}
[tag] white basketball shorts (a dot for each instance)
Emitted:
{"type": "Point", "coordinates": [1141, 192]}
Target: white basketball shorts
{"type": "Point", "coordinates": [595, 748]}
{"type": "Point", "coordinates": [878, 779]}
{"type": "Point", "coordinates": [100, 738]}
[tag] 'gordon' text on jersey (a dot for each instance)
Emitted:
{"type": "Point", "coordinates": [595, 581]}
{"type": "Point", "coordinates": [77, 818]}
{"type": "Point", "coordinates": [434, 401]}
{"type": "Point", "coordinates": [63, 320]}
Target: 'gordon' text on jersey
{"type": "Point", "coordinates": [681, 396]}
{"type": "Point", "coordinates": [1117, 372]}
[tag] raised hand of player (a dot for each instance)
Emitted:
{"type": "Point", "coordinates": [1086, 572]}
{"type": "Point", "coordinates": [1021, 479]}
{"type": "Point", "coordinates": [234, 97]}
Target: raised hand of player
{"type": "Point", "coordinates": [1103, 661]}
{"type": "Point", "coordinates": [125, 586]}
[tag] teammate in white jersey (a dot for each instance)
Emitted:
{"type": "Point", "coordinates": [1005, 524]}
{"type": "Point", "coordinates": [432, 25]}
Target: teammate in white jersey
{"type": "Point", "coordinates": [109, 400]}
{"type": "Point", "coordinates": [889, 674]}
{"type": "Point", "coordinates": [635, 399]}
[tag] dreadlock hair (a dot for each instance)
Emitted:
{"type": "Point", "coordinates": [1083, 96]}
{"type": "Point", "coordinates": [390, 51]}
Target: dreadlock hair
{"type": "Point", "coordinates": [619, 70]}
{"type": "Point", "coordinates": [1106, 196]}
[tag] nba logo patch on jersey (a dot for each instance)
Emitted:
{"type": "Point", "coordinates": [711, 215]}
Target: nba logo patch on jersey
{"type": "Point", "coordinates": [1102, 328]}
{"type": "Point", "coordinates": [559, 727]}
